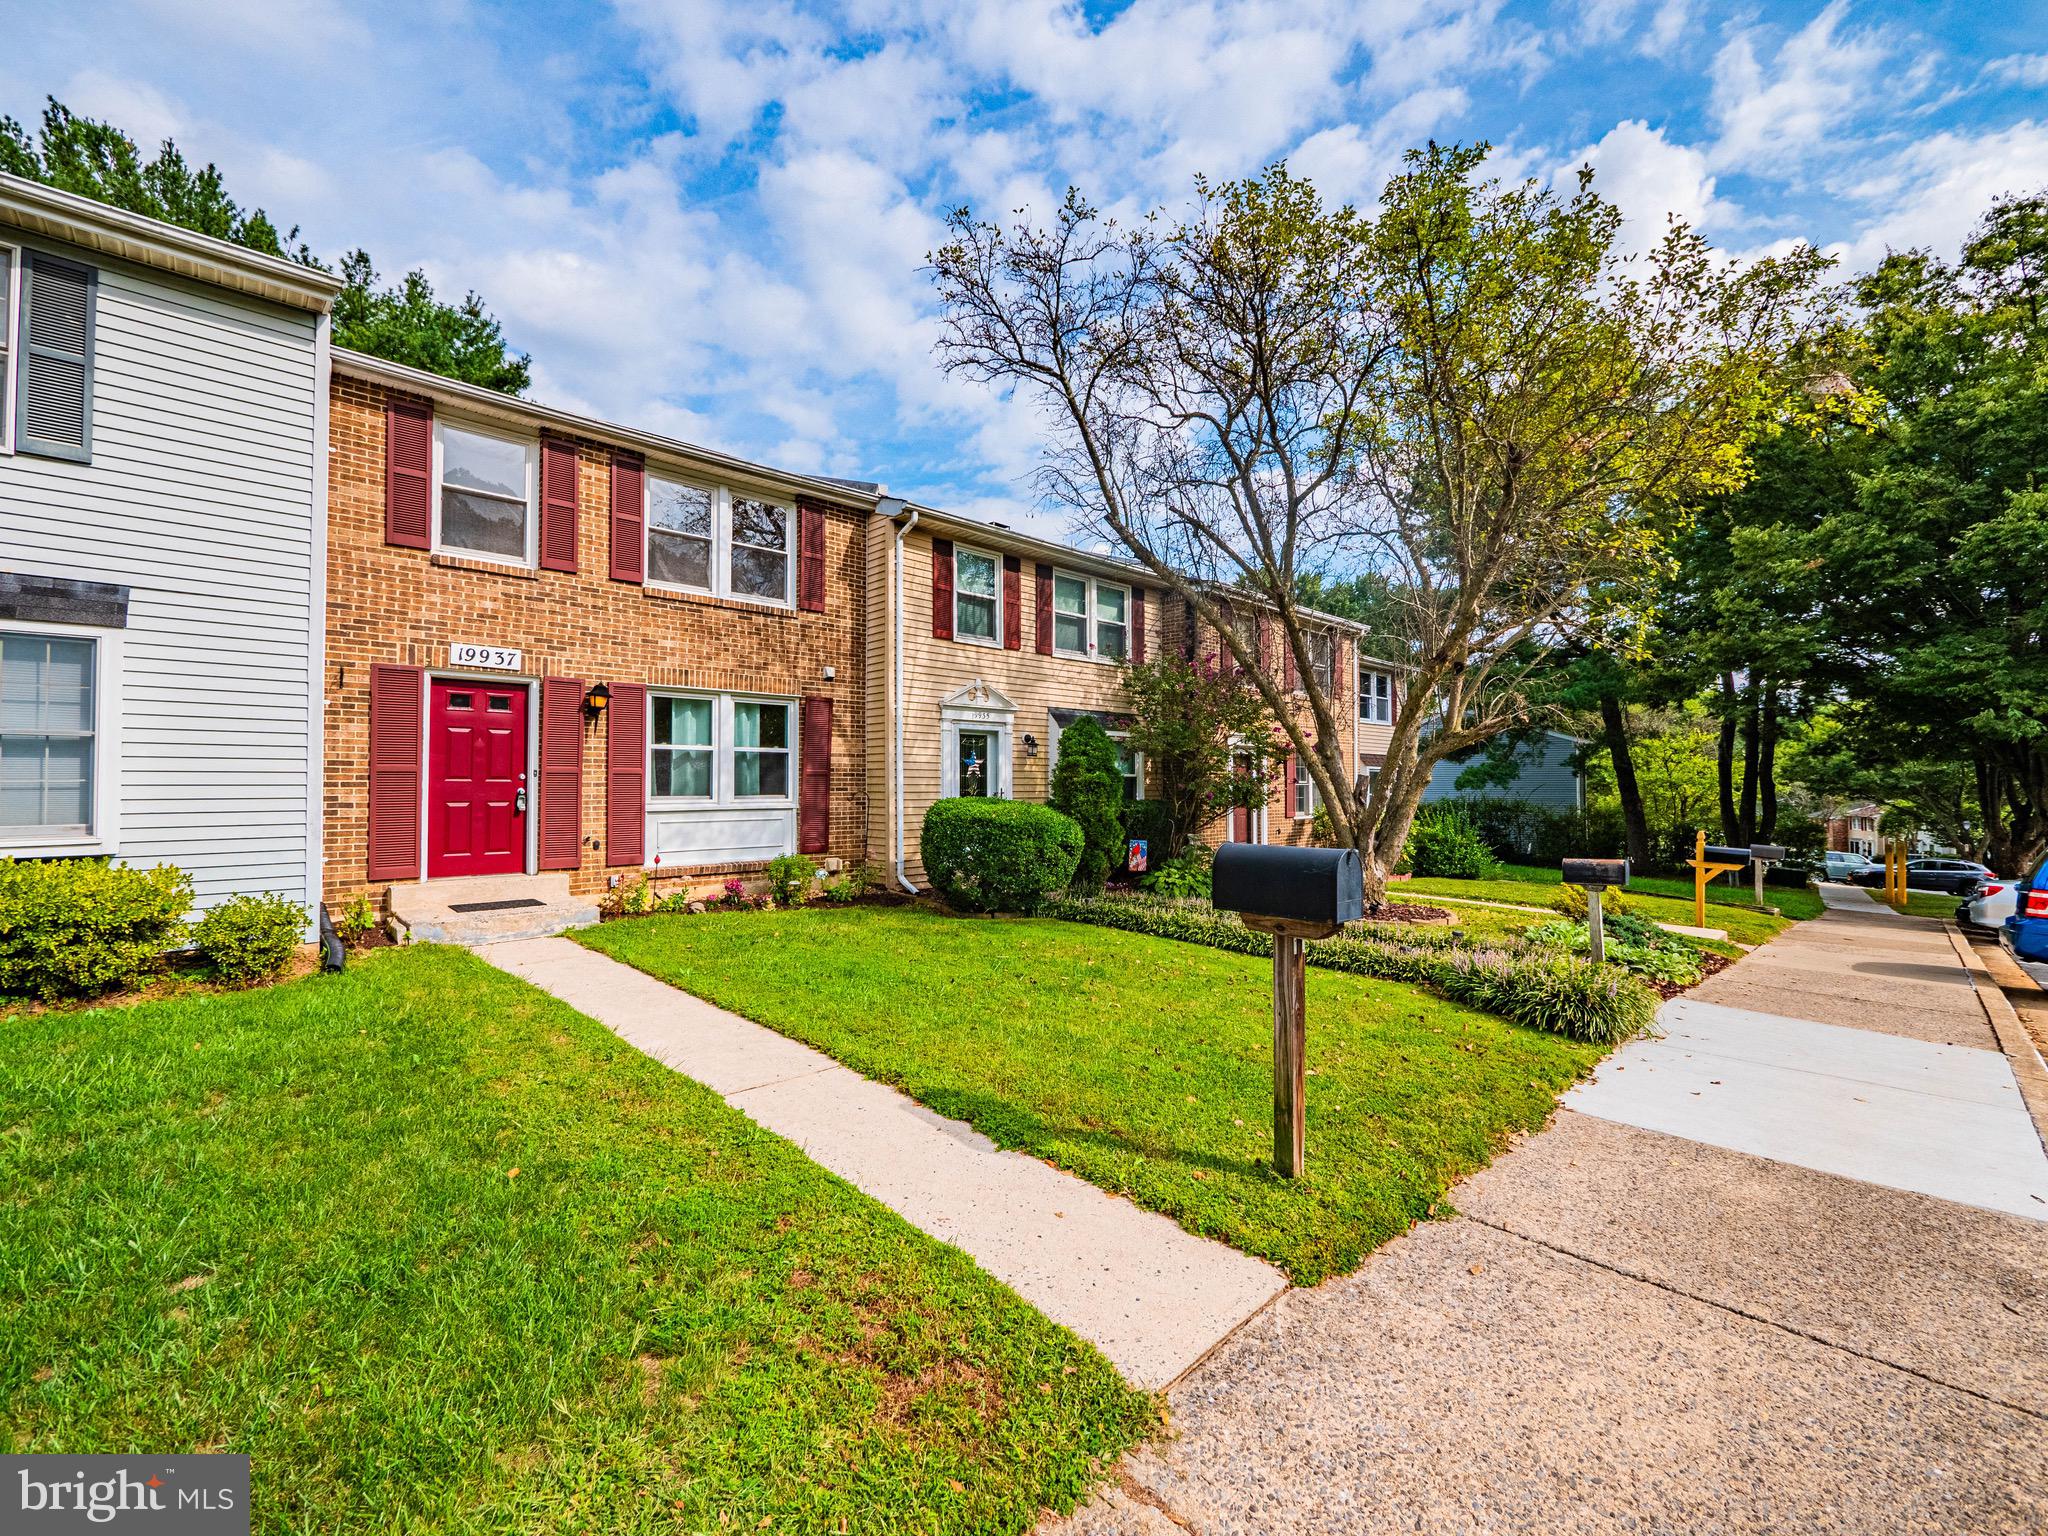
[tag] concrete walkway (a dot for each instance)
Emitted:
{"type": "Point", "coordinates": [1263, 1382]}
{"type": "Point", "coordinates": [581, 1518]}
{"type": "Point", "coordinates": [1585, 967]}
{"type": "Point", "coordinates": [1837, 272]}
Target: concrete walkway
{"type": "Point", "coordinates": [1643, 1328]}
{"type": "Point", "coordinates": [1151, 1297]}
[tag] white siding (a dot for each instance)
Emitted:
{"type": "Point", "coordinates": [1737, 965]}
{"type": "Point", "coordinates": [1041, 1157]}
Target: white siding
{"type": "Point", "coordinates": [1544, 775]}
{"type": "Point", "coordinates": [199, 499]}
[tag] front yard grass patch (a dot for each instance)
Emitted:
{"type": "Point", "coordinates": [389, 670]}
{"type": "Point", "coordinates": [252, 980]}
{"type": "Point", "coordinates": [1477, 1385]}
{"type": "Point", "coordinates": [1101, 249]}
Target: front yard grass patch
{"type": "Point", "coordinates": [442, 1254]}
{"type": "Point", "coordinates": [1926, 904]}
{"type": "Point", "coordinates": [1140, 1064]}
{"type": "Point", "coordinates": [1658, 897]}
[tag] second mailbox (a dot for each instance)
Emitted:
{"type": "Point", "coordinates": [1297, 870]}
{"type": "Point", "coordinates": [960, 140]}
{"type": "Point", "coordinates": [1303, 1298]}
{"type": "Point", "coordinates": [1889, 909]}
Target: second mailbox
{"type": "Point", "coordinates": [1301, 885]}
{"type": "Point", "coordinates": [1597, 873]}
{"type": "Point", "coordinates": [1717, 855]}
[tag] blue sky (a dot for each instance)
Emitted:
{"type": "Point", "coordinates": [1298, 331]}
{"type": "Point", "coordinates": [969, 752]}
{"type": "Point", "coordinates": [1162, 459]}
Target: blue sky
{"type": "Point", "coordinates": [707, 217]}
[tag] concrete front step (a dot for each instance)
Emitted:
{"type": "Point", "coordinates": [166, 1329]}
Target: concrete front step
{"type": "Point", "coordinates": [426, 911]}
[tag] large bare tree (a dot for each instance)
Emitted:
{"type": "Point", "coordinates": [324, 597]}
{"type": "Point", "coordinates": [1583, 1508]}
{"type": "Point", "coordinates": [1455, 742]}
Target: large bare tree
{"type": "Point", "coordinates": [1474, 393]}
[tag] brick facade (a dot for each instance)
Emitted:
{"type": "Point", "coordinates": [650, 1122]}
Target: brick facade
{"type": "Point", "coordinates": [405, 606]}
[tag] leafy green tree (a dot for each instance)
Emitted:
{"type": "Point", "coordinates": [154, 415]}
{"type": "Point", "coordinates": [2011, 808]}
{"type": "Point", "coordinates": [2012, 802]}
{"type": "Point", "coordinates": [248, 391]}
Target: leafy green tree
{"type": "Point", "coordinates": [1206, 740]}
{"type": "Point", "coordinates": [1088, 786]}
{"type": "Point", "coordinates": [1474, 394]}
{"type": "Point", "coordinates": [405, 323]}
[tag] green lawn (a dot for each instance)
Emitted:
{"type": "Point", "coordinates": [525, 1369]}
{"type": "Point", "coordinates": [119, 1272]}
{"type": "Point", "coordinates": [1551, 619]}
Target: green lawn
{"type": "Point", "coordinates": [1925, 904]}
{"type": "Point", "coordinates": [1138, 1063]}
{"type": "Point", "coordinates": [1660, 898]}
{"type": "Point", "coordinates": [442, 1254]}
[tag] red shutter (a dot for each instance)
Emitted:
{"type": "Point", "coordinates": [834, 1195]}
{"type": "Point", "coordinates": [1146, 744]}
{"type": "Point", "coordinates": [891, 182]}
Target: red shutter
{"type": "Point", "coordinates": [1137, 623]}
{"type": "Point", "coordinates": [408, 471]}
{"type": "Point", "coordinates": [1013, 603]}
{"type": "Point", "coordinates": [561, 772]}
{"type": "Point", "coordinates": [814, 788]}
{"type": "Point", "coordinates": [629, 514]}
{"type": "Point", "coordinates": [625, 775]}
{"type": "Point", "coordinates": [1045, 610]}
{"type": "Point", "coordinates": [1290, 679]}
{"type": "Point", "coordinates": [810, 558]}
{"type": "Point", "coordinates": [397, 726]}
{"type": "Point", "coordinates": [1290, 802]}
{"type": "Point", "coordinates": [942, 589]}
{"type": "Point", "coordinates": [557, 505]}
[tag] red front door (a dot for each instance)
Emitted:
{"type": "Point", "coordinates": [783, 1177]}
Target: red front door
{"type": "Point", "coordinates": [476, 779]}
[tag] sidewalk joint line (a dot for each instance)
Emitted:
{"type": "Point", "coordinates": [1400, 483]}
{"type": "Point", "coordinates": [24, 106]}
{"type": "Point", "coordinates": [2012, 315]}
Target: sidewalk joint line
{"type": "Point", "coordinates": [1757, 1317]}
{"type": "Point", "coordinates": [1133, 1489]}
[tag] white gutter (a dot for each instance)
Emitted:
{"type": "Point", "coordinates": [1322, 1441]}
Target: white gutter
{"type": "Point", "coordinates": [896, 695]}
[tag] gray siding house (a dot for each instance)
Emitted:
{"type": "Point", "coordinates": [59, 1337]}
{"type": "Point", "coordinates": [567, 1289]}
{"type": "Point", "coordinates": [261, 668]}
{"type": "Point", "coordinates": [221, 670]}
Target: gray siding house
{"type": "Point", "coordinates": [163, 445]}
{"type": "Point", "coordinates": [1544, 775]}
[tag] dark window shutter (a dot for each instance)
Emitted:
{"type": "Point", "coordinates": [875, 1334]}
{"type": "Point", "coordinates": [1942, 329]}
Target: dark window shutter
{"type": "Point", "coordinates": [1013, 603]}
{"type": "Point", "coordinates": [814, 799]}
{"type": "Point", "coordinates": [53, 412]}
{"type": "Point", "coordinates": [561, 772]}
{"type": "Point", "coordinates": [397, 726]}
{"type": "Point", "coordinates": [625, 776]}
{"type": "Point", "coordinates": [408, 471]}
{"type": "Point", "coordinates": [1045, 610]}
{"type": "Point", "coordinates": [942, 589]}
{"type": "Point", "coordinates": [1137, 623]}
{"type": "Point", "coordinates": [1290, 784]}
{"type": "Point", "coordinates": [557, 505]}
{"type": "Point", "coordinates": [810, 557]}
{"type": "Point", "coordinates": [629, 516]}
{"type": "Point", "coordinates": [1190, 621]}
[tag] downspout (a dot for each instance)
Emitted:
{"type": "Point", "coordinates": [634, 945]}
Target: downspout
{"type": "Point", "coordinates": [896, 697]}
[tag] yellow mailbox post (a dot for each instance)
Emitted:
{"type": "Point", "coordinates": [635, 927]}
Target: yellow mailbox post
{"type": "Point", "coordinates": [1704, 869]}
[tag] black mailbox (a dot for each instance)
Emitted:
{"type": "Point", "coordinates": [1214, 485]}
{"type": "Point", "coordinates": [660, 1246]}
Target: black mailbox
{"type": "Point", "coordinates": [1767, 853]}
{"type": "Point", "coordinates": [1596, 872]}
{"type": "Point", "coordinates": [1727, 855]}
{"type": "Point", "coordinates": [1323, 886]}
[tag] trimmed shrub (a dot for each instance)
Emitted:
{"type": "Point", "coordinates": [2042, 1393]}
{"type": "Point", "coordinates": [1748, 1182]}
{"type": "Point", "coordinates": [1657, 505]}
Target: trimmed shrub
{"type": "Point", "coordinates": [998, 855]}
{"type": "Point", "coordinates": [1087, 787]}
{"type": "Point", "coordinates": [1444, 845]}
{"type": "Point", "coordinates": [1185, 876]}
{"type": "Point", "coordinates": [1535, 987]}
{"type": "Point", "coordinates": [80, 927]}
{"type": "Point", "coordinates": [249, 938]}
{"type": "Point", "coordinates": [1147, 819]}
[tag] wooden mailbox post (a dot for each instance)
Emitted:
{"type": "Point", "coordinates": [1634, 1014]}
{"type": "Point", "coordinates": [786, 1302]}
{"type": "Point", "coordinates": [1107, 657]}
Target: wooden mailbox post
{"type": "Point", "coordinates": [1595, 876]}
{"type": "Point", "coordinates": [1294, 894]}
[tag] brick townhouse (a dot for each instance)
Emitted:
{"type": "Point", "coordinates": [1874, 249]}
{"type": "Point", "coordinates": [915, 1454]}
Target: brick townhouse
{"type": "Point", "coordinates": [561, 651]}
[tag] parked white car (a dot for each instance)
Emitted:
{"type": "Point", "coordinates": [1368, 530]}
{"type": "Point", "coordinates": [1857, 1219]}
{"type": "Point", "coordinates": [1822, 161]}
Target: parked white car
{"type": "Point", "coordinates": [1989, 905]}
{"type": "Point", "coordinates": [1838, 865]}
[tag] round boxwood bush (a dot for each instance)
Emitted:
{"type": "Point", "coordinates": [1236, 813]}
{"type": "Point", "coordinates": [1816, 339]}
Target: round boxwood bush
{"type": "Point", "coordinates": [249, 938]}
{"type": "Point", "coordinates": [1088, 786]}
{"type": "Point", "coordinates": [998, 855]}
{"type": "Point", "coordinates": [1445, 845]}
{"type": "Point", "coordinates": [80, 927]}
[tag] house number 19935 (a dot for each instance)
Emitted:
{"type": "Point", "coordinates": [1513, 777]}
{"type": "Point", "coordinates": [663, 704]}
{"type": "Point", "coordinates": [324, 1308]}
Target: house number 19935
{"type": "Point", "coordinates": [496, 658]}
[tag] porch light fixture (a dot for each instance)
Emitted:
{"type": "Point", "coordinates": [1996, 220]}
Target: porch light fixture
{"type": "Point", "coordinates": [1030, 745]}
{"type": "Point", "coordinates": [597, 701]}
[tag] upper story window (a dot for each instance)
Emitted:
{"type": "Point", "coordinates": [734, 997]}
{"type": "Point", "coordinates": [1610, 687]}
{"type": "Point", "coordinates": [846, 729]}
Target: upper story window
{"type": "Point", "coordinates": [1322, 656]}
{"type": "Point", "coordinates": [714, 540]}
{"type": "Point", "coordinates": [975, 610]}
{"type": "Point", "coordinates": [1375, 697]}
{"type": "Point", "coordinates": [49, 718]}
{"type": "Point", "coordinates": [48, 333]}
{"type": "Point", "coordinates": [487, 489]}
{"type": "Point", "coordinates": [1090, 617]}
{"type": "Point", "coordinates": [9, 284]}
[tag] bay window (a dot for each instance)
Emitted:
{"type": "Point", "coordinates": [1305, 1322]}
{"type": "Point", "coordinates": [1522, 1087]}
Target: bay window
{"type": "Point", "coordinates": [974, 596]}
{"type": "Point", "coordinates": [486, 499]}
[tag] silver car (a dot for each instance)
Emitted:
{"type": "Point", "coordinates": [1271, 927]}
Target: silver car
{"type": "Point", "coordinates": [1989, 904]}
{"type": "Point", "coordinates": [1838, 865]}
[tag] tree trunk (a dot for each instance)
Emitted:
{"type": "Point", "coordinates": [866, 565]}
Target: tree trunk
{"type": "Point", "coordinates": [1725, 760]}
{"type": "Point", "coordinates": [1767, 815]}
{"type": "Point", "coordinates": [1745, 832]}
{"type": "Point", "coordinates": [1614, 723]}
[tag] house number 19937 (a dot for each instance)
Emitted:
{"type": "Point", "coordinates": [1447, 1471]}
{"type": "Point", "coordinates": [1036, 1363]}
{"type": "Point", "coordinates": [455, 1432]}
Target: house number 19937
{"type": "Point", "coordinates": [495, 658]}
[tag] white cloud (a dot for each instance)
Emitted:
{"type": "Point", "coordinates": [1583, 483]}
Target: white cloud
{"type": "Point", "coordinates": [2019, 69]}
{"type": "Point", "coordinates": [1932, 193]}
{"type": "Point", "coordinates": [1650, 179]}
{"type": "Point", "coordinates": [1786, 111]}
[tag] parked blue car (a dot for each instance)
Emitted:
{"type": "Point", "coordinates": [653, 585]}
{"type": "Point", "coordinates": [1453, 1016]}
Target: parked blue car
{"type": "Point", "coordinates": [2026, 931]}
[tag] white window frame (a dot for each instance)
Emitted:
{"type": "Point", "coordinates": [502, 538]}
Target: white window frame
{"type": "Point", "coordinates": [1369, 695]}
{"type": "Point", "coordinates": [1326, 637]}
{"type": "Point", "coordinates": [1305, 795]}
{"type": "Point", "coordinates": [105, 836]}
{"type": "Point", "coordinates": [998, 757]}
{"type": "Point", "coordinates": [531, 447]}
{"type": "Point", "coordinates": [996, 640]}
{"type": "Point", "coordinates": [10, 341]}
{"type": "Point", "coordinates": [724, 742]}
{"type": "Point", "coordinates": [722, 542]}
{"type": "Point", "coordinates": [1091, 617]}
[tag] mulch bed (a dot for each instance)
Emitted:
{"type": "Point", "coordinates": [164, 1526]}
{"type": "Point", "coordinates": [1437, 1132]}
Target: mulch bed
{"type": "Point", "coordinates": [1710, 965]}
{"type": "Point", "coordinates": [1409, 912]}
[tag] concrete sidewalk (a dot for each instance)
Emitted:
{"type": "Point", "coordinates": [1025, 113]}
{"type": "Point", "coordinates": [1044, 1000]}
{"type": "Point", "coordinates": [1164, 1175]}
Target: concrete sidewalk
{"type": "Point", "coordinates": [1151, 1297]}
{"type": "Point", "coordinates": [1634, 1329]}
